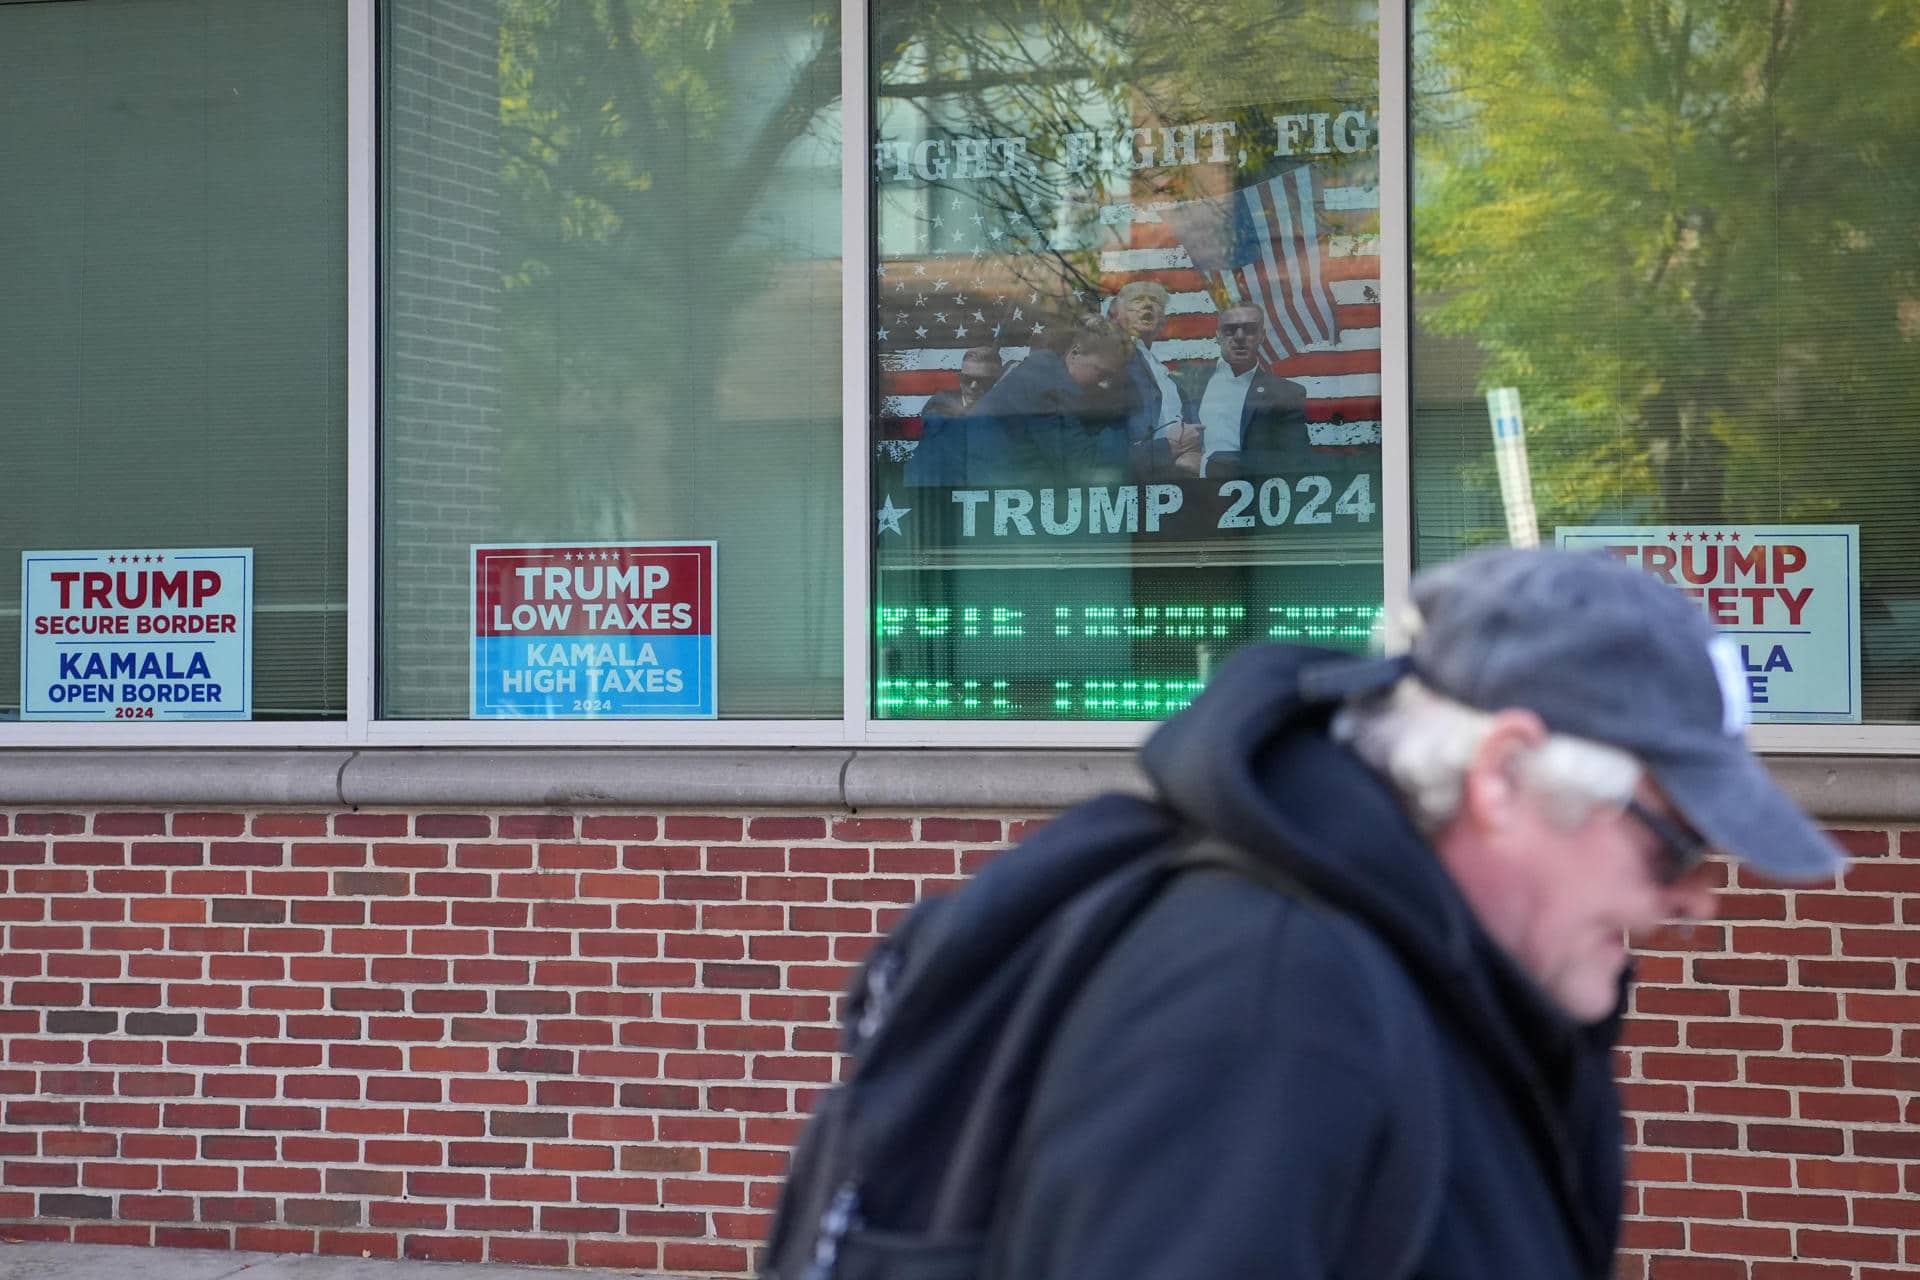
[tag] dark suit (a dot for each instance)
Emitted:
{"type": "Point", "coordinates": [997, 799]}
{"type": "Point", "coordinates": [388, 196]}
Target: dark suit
{"type": "Point", "coordinates": [1036, 426]}
{"type": "Point", "coordinates": [1273, 425]}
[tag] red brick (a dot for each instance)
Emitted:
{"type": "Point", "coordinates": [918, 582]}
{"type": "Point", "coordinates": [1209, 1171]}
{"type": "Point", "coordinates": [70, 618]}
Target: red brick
{"type": "Point", "coordinates": [273, 1240]}
{"type": "Point", "coordinates": [702, 1257]}
{"type": "Point", "coordinates": [1697, 1269]}
{"type": "Point", "coordinates": [492, 1217]}
{"type": "Point", "coordinates": [359, 1244]}
{"type": "Point", "coordinates": [412, 856]}
{"type": "Point", "coordinates": [1767, 1206]}
{"type": "Point", "coordinates": [527, 1252]}
{"type": "Point", "coordinates": [619, 828]}
{"type": "Point", "coordinates": [632, 1255]}
{"type": "Point", "coordinates": [577, 857]}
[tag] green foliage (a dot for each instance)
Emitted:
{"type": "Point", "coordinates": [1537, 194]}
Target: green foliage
{"type": "Point", "coordinates": [1689, 232]}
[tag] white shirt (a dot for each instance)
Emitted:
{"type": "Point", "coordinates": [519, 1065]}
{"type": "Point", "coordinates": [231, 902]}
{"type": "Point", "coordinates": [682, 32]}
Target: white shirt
{"type": "Point", "coordinates": [1221, 406]}
{"type": "Point", "coordinates": [1169, 393]}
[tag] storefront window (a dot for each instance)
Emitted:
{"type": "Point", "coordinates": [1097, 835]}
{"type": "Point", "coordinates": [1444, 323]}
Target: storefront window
{"type": "Point", "coordinates": [172, 342]}
{"type": "Point", "coordinates": [1126, 325]}
{"type": "Point", "coordinates": [611, 317]}
{"type": "Point", "coordinates": [1687, 236]}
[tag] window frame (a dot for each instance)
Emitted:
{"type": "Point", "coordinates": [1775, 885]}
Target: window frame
{"type": "Point", "coordinates": [856, 727]}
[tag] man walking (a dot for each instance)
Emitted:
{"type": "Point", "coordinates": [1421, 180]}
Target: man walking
{"type": "Point", "coordinates": [1388, 1054]}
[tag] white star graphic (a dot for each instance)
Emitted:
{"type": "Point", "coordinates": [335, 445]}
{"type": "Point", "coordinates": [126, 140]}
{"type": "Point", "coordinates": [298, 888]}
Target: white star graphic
{"type": "Point", "coordinates": [940, 317]}
{"type": "Point", "coordinates": [889, 517]}
{"type": "Point", "coordinates": [919, 268]}
{"type": "Point", "coordinates": [1016, 313]}
{"type": "Point", "coordinates": [938, 285]}
{"type": "Point", "coordinates": [981, 318]}
{"type": "Point", "coordinates": [978, 220]}
{"type": "Point", "coordinates": [920, 332]}
{"type": "Point", "coordinates": [939, 221]}
{"type": "Point", "coordinates": [883, 334]}
{"type": "Point", "coordinates": [960, 332]}
{"type": "Point", "coordinates": [1039, 328]}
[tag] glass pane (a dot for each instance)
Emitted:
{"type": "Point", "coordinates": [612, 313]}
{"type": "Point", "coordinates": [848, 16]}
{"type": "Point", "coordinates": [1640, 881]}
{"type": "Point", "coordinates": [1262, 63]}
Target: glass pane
{"type": "Point", "coordinates": [1688, 236]}
{"type": "Point", "coordinates": [1126, 332]}
{"type": "Point", "coordinates": [172, 341]}
{"type": "Point", "coordinates": [611, 313]}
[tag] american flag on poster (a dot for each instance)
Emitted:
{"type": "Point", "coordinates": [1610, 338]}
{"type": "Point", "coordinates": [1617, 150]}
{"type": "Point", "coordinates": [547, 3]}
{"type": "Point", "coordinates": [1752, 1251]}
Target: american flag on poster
{"type": "Point", "coordinates": [1260, 246]}
{"type": "Point", "coordinates": [967, 292]}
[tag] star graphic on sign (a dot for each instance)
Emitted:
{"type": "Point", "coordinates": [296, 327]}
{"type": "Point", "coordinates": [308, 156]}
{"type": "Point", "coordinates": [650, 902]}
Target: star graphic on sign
{"type": "Point", "coordinates": [1733, 537]}
{"type": "Point", "coordinates": [1035, 299]}
{"type": "Point", "coordinates": [1686, 537]}
{"type": "Point", "coordinates": [960, 332]}
{"type": "Point", "coordinates": [1016, 314]}
{"type": "Point", "coordinates": [981, 318]}
{"type": "Point", "coordinates": [996, 331]}
{"type": "Point", "coordinates": [920, 332]}
{"type": "Point", "coordinates": [920, 300]}
{"type": "Point", "coordinates": [978, 252]}
{"type": "Point", "coordinates": [883, 334]}
{"type": "Point", "coordinates": [978, 220]}
{"type": "Point", "coordinates": [1039, 328]}
{"type": "Point", "coordinates": [939, 221]}
{"type": "Point", "coordinates": [900, 286]}
{"type": "Point", "coordinates": [1673, 537]}
{"type": "Point", "coordinates": [919, 268]}
{"type": "Point", "coordinates": [940, 317]}
{"type": "Point", "coordinates": [939, 285]}
{"type": "Point", "coordinates": [996, 234]}
{"type": "Point", "coordinates": [881, 270]}
{"type": "Point", "coordinates": [959, 299]}
{"type": "Point", "coordinates": [889, 517]}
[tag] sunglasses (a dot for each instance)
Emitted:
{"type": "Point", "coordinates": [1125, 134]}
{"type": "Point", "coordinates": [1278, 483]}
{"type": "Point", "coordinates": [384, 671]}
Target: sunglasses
{"type": "Point", "coordinates": [1681, 848]}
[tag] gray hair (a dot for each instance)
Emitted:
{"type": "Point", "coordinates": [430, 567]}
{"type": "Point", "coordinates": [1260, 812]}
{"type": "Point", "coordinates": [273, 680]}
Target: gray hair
{"type": "Point", "coordinates": [1422, 742]}
{"type": "Point", "coordinates": [1134, 288]}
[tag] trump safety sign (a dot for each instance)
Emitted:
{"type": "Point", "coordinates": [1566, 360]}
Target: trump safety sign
{"type": "Point", "coordinates": [620, 630]}
{"type": "Point", "coordinates": [136, 635]}
{"type": "Point", "coordinates": [1788, 594]}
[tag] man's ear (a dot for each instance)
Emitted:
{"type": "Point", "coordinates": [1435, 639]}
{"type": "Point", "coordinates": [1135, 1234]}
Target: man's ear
{"type": "Point", "coordinates": [1492, 783]}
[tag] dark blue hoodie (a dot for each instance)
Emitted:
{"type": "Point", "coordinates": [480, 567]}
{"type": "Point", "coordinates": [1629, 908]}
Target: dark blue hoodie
{"type": "Point", "coordinates": [1356, 1083]}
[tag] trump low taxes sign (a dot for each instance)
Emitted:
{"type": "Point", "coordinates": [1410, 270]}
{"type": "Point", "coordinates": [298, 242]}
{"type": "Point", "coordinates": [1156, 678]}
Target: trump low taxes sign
{"type": "Point", "coordinates": [618, 630]}
{"type": "Point", "coordinates": [1789, 595]}
{"type": "Point", "coordinates": [152, 634]}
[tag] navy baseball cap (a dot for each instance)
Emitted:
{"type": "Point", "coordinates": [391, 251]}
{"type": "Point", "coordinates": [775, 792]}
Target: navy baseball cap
{"type": "Point", "coordinates": [1601, 650]}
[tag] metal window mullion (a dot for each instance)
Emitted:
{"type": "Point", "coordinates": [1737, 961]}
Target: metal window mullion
{"type": "Point", "coordinates": [1396, 285]}
{"type": "Point", "coordinates": [362, 358]}
{"type": "Point", "coordinates": [856, 586]}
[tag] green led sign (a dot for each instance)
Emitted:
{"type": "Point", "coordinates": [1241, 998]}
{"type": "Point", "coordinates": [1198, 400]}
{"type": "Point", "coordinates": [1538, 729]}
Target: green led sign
{"type": "Point", "coordinates": [1067, 641]}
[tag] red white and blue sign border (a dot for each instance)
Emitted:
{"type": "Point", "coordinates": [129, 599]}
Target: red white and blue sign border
{"type": "Point", "coordinates": [702, 686]}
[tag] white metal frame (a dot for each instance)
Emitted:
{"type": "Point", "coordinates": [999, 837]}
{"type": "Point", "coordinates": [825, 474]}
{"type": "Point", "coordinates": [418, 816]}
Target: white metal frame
{"type": "Point", "coordinates": [855, 727]}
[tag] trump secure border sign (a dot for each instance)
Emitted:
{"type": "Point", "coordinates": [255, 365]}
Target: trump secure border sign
{"type": "Point", "coordinates": [1788, 594]}
{"type": "Point", "coordinates": [594, 630]}
{"type": "Point", "coordinates": [148, 634]}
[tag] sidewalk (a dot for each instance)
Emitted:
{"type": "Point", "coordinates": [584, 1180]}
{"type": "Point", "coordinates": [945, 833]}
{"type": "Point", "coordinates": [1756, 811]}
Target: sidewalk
{"type": "Point", "coordinates": [111, 1262]}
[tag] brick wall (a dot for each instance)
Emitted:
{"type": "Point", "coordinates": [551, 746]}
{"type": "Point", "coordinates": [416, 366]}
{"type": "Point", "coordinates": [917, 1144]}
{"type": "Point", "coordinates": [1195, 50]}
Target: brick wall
{"type": "Point", "coordinates": [587, 1038]}
{"type": "Point", "coordinates": [441, 362]}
